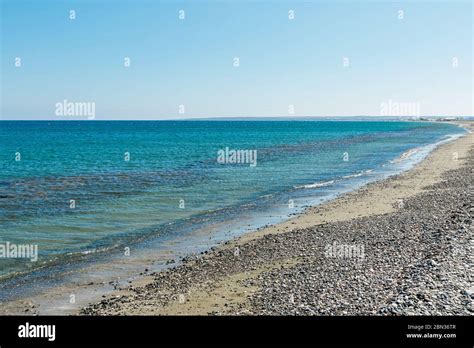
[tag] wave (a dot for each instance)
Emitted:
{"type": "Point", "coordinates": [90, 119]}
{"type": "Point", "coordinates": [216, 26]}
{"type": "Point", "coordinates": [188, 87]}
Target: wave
{"type": "Point", "coordinates": [356, 175]}
{"type": "Point", "coordinates": [316, 184]}
{"type": "Point", "coordinates": [406, 155]}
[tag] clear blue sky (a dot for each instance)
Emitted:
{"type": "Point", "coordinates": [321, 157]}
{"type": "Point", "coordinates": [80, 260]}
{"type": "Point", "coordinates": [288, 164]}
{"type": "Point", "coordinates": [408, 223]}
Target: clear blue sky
{"type": "Point", "coordinates": [282, 62]}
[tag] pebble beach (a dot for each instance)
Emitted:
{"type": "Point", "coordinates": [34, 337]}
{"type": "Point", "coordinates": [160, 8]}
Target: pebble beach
{"type": "Point", "coordinates": [400, 246]}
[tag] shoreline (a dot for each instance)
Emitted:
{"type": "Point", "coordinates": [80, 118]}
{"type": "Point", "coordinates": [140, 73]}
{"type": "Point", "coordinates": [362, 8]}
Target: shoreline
{"type": "Point", "coordinates": [332, 210]}
{"type": "Point", "coordinates": [247, 275]}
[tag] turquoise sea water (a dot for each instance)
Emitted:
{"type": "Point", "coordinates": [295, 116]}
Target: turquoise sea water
{"type": "Point", "coordinates": [173, 175]}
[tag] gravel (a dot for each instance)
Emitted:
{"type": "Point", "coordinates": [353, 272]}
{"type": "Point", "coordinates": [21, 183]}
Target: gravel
{"type": "Point", "coordinates": [417, 260]}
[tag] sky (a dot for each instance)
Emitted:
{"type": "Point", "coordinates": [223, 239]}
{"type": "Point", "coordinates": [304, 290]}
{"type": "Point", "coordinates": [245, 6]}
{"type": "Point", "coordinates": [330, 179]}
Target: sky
{"type": "Point", "coordinates": [333, 58]}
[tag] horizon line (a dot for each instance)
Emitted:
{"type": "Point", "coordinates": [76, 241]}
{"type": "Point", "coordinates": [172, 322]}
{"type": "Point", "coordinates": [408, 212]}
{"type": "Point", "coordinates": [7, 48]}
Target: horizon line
{"type": "Point", "coordinates": [249, 118]}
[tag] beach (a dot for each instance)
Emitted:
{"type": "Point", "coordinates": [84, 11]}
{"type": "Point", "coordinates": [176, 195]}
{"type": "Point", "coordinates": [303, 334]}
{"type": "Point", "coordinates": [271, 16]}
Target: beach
{"type": "Point", "coordinates": [399, 246]}
{"type": "Point", "coordinates": [308, 165]}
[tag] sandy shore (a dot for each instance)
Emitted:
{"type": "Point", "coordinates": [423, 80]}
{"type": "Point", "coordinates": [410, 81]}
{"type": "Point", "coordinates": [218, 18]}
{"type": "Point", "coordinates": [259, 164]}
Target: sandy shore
{"type": "Point", "coordinates": [398, 246]}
